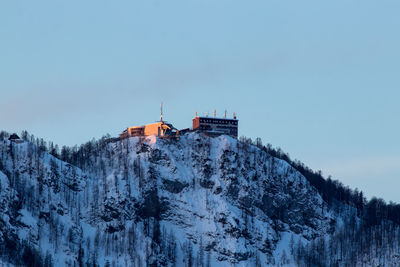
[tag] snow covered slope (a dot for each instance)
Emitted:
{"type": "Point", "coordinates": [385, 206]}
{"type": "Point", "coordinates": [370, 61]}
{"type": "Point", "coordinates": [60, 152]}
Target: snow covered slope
{"type": "Point", "coordinates": [197, 201]}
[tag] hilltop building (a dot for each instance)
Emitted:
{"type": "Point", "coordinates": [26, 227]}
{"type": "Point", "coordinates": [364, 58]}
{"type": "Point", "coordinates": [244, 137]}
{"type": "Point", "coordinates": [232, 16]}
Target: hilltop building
{"type": "Point", "coordinates": [214, 126]}
{"type": "Point", "coordinates": [15, 138]}
{"type": "Point", "coordinates": [160, 128]}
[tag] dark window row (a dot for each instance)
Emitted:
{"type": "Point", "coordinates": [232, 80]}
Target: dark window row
{"type": "Point", "coordinates": [218, 121]}
{"type": "Point", "coordinates": [226, 127]}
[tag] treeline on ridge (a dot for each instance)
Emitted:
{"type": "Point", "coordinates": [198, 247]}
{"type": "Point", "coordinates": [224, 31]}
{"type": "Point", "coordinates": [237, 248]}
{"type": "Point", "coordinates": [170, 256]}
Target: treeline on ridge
{"type": "Point", "coordinates": [373, 212]}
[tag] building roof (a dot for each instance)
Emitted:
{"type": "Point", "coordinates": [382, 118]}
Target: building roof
{"type": "Point", "coordinates": [215, 118]}
{"type": "Point", "coordinates": [13, 137]}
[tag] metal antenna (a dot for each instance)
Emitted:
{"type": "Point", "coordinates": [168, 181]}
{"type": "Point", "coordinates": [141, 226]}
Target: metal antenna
{"type": "Point", "coordinates": [161, 113]}
{"type": "Point", "coordinates": [215, 113]}
{"type": "Point", "coordinates": [225, 114]}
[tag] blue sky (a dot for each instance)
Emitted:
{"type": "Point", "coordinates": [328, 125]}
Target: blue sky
{"type": "Point", "coordinates": [319, 79]}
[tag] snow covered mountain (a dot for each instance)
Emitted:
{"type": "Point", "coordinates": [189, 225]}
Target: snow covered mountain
{"type": "Point", "coordinates": [196, 201]}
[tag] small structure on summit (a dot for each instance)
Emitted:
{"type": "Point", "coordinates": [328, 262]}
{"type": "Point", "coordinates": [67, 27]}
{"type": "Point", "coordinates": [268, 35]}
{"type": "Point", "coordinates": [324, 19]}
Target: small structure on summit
{"type": "Point", "coordinates": [15, 138]}
{"type": "Point", "coordinates": [160, 128]}
{"type": "Point", "coordinates": [214, 126]}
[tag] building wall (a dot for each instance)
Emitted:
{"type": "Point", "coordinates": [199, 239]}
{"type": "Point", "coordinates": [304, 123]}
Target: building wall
{"type": "Point", "coordinates": [196, 123]}
{"type": "Point", "coordinates": [153, 128]}
{"type": "Point", "coordinates": [216, 126]}
{"type": "Point", "coordinates": [132, 131]}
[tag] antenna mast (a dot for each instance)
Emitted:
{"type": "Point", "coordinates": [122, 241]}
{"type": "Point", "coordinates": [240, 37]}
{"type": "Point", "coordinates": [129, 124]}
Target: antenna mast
{"type": "Point", "coordinates": [161, 113]}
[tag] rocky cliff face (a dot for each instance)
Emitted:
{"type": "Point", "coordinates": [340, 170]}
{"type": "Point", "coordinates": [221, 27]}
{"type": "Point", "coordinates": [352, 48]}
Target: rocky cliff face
{"type": "Point", "coordinates": [148, 201]}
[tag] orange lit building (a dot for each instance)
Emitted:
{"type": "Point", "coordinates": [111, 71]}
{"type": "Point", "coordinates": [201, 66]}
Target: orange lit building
{"type": "Point", "coordinates": [161, 129]}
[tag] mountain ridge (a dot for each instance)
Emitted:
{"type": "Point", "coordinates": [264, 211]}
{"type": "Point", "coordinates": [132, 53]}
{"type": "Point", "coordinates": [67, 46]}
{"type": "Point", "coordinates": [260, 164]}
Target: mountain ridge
{"type": "Point", "coordinates": [158, 202]}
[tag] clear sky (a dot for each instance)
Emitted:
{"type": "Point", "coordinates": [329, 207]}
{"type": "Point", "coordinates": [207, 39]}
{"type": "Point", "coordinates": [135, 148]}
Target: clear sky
{"type": "Point", "coordinates": [320, 79]}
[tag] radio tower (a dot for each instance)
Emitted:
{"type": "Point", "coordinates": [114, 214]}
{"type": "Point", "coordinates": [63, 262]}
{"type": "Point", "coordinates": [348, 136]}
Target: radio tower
{"type": "Point", "coordinates": [161, 113]}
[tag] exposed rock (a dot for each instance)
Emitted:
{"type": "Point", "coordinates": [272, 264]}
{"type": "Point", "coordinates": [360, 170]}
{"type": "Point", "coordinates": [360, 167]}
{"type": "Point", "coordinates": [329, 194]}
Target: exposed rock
{"type": "Point", "coordinates": [173, 186]}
